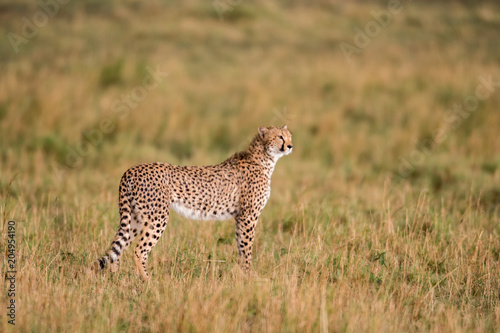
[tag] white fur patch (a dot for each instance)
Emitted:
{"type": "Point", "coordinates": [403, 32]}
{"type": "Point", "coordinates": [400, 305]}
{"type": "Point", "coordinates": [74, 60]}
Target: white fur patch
{"type": "Point", "coordinates": [277, 154]}
{"type": "Point", "coordinates": [196, 214]}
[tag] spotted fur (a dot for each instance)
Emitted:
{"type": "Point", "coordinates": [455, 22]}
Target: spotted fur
{"type": "Point", "coordinates": [237, 188]}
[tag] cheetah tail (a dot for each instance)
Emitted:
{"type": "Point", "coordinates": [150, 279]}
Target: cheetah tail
{"type": "Point", "coordinates": [100, 264]}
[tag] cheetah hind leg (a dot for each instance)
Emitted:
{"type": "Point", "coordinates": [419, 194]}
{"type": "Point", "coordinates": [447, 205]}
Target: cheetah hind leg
{"type": "Point", "coordinates": [150, 234]}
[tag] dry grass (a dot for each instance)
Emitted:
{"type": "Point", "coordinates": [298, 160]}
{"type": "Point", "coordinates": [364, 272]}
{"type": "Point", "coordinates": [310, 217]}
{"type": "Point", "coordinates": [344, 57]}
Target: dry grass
{"type": "Point", "coordinates": [345, 243]}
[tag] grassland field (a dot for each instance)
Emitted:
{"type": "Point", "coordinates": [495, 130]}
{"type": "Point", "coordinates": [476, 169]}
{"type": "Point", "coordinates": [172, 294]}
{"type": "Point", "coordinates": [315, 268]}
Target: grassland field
{"type": "Point", "coordinates": [384, 219]}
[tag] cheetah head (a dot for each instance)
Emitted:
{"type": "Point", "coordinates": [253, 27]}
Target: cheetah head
{"type": "Point", "coordinates": [277, 140]}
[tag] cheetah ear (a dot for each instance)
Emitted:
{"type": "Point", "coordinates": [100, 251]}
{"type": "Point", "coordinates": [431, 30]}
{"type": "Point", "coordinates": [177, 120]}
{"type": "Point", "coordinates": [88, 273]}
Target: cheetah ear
{"type": "Point", "coordinates": [284, 127]}
{"type": "Point", "coordinates": [262, 132]}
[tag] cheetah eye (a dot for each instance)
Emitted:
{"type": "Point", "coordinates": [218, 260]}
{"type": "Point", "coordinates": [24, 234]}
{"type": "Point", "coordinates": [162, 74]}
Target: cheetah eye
{"type": "Point", "coordinates": [281, 137]}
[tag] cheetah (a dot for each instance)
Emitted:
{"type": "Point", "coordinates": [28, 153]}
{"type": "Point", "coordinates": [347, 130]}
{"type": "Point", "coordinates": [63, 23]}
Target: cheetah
{"type": "Point", "coordinates": [237, 188]}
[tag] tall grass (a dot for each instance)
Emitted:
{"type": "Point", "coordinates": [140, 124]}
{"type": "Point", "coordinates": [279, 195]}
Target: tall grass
{"type": "Point", "coordinates": [346, 242]}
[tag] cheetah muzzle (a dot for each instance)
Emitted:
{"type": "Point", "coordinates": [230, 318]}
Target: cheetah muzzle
{"type": "Point", "coordinates": [237, 188]}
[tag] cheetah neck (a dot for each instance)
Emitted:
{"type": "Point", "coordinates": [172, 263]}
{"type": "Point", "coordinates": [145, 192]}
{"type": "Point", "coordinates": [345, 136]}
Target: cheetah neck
{"type": "Point", "coordinates": [257, 153]}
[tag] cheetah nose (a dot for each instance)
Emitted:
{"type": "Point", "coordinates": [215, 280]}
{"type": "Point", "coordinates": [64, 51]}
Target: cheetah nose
{"type": "Point", "coordinates": [290, 146]}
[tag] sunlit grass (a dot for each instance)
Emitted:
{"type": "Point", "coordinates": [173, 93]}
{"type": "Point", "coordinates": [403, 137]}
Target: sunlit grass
{"type": "Point", "coordinates": [346, 242]}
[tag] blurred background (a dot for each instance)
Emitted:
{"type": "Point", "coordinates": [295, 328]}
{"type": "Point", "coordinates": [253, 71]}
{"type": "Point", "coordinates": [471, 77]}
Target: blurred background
{"type": "Point", "coordinates": [95, 86]}
{"type": "Point", "coordinates": [393, 105]}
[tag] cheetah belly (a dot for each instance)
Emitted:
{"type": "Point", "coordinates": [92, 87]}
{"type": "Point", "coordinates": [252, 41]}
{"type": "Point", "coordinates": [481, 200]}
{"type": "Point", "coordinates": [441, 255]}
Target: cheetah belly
{"type": "Point", "coordinates": [197, 214]}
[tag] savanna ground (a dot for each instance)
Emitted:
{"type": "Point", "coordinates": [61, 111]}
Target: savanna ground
{"type": "Point", "coordinates": [384, 218]}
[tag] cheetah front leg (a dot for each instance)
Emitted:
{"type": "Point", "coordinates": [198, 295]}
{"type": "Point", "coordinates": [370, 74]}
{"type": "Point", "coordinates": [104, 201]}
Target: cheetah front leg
{"type": "Point", "coordinates": [245, 232]}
